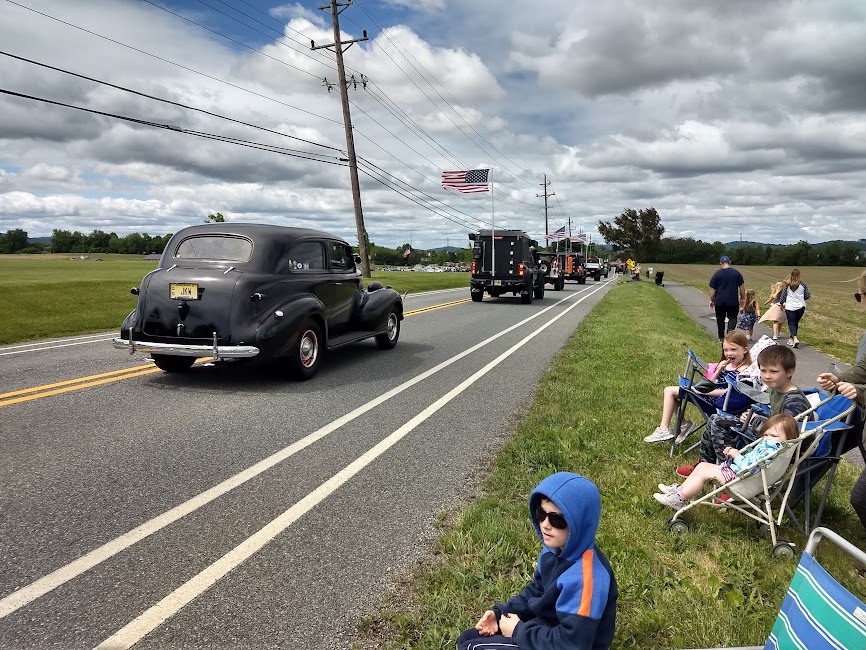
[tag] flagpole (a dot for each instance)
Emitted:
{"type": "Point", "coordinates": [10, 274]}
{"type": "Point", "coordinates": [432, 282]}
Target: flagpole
{"type": "Point", "coordinates": [492, 226]}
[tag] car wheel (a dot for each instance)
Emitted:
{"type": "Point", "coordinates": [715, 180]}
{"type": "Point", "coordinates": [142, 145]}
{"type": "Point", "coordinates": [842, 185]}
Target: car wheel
{"type": "Point", "coordinates": [171, 363]}
{"type": "Point", "coordinates": [477, 296]}
{"type": "Point", "coordinates": [306, 351]}
{"type": "Point", "coordinates": [560, 284]}
{"type": "Point", "coordinates": [543, 268]}
{"type": "Point", "coordinates": [388, 339]}
{"type": "Point", "coordinates": [526, 296]}
{"type": "Point", "coordinates": [539, 291]}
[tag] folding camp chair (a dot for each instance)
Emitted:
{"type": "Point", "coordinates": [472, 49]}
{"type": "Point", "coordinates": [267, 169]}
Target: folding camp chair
{"type": "Point", "coordinates": [818, 613]}
{"type": "Point", "coordinates": [824, 461]}
{"type": "Point", "coordinates": [739, 397]}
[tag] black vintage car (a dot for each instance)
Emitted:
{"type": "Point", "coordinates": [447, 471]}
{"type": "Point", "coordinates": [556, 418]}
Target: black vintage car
{"type": "Point", "coordinates": [241, 291]}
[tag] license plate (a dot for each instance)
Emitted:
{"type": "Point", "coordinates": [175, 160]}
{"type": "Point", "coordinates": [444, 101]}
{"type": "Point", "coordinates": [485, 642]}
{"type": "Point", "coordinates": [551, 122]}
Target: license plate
{"type": "Point", "coordinates": [183, 291]}
{"type": "Point", "coordinates": [497, 282]}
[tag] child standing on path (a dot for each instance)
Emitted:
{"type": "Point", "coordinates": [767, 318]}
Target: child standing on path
{"type": "Point", "coordinates": [794, 297]}
{"type": "Point", "coordinates": [571, 602]}
{"type": "Point", "coordinates": [749, 314]}
{"type": "Point", "coordinates": [776, 430]}
{"type": "Point", "coordinates": [776, 312]}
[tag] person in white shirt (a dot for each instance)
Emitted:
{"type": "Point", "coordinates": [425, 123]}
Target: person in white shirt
{"type": "Point", "coordinates": [794, 297]}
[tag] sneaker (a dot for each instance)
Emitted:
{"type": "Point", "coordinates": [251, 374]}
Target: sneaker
{"type": "Point", "coordinates": [659, 435]}
{"type": "Point", "coordinates": [796, 344]}
{"type": "Point", "coordinates": [686, 470]}
{"type": "Point", "coordinates": [775, 337]}
{"type": "Point", "coordinates": [668, 489]}
{"type": "Point", "coordinates": [791, 342]}
{"type": "Point", "coordinates": [674, 501]}
{"type": "Point", "coordinates": [685, 429]}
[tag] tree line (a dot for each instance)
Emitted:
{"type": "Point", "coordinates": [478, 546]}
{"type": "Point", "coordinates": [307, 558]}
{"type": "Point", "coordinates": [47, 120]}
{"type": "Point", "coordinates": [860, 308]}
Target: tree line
{"type": "Point", "coordinates": [66, 241]}
{"type": "Point", "coordinates": [638, 234]}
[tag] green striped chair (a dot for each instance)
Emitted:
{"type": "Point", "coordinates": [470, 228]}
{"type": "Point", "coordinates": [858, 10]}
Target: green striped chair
{"type": "Point", "coordinates": [818, 612]}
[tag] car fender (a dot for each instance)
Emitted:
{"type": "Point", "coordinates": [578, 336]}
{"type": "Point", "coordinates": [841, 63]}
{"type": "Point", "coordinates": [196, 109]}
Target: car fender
{"type": "Point", "coordinates": [374, 308]}
{"type": "Point", "coordinates": [276, 332]}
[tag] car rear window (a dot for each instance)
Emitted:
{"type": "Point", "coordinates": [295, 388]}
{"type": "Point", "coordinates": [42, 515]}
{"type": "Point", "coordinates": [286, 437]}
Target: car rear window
{"type": "Point", "coordinates": [215, 247]}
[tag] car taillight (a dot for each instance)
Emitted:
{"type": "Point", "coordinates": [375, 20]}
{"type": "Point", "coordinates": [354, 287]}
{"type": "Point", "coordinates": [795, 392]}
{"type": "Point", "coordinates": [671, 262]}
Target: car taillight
{"type": "Point", "coordinates": [473, 268]}
{"type": "Point", "coordinates": [520, 269]}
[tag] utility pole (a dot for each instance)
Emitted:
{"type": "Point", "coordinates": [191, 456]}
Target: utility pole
{"type": "Point", "coordinates": [338, 50]}
{"type": "Point", "coordinates": [545, 185]}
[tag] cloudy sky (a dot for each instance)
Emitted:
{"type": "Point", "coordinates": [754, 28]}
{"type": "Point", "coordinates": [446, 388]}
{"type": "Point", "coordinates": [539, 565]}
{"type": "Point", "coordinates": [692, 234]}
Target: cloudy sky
{"type": "Point", "coordinates": [734, 119]}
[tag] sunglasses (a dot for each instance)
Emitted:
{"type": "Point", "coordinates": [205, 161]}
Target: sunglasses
{"type": "Point", "coordinates": [555, 518]}
{"type": "Point", "coordinates": [858, 296]}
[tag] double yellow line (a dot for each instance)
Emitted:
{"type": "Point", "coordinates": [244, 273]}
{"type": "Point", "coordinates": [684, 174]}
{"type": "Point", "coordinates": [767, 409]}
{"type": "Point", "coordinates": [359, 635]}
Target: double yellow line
{"type": "Point", "coordinates": [37, 392]}
{"type": "Point", "coordinates": [27, 394]}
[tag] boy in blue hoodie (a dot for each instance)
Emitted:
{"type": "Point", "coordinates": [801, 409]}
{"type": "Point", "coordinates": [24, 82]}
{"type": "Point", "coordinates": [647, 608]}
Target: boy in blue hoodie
{"type": "Point", "coordinates": [571, 602]}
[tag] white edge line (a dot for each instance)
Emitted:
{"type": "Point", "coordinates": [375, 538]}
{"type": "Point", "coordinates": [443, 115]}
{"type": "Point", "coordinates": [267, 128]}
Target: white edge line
{"type": "Point", "coordinates": [51, 347]}
{"type": "Point", "coordinates": [153, 617]}
{"type": "Point", "coordinates": [68, 338]}
{"type": "Point", "coordinates": [42, 586]}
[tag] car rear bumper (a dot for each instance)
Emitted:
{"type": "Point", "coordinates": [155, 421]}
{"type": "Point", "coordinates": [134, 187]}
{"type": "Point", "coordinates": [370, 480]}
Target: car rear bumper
{"type": "Point", "coordinates": [178, 350]}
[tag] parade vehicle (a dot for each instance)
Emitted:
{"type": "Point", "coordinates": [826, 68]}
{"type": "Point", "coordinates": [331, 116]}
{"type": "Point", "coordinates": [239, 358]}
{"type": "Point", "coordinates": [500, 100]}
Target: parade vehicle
{"type": "Point", "coordinates": [596, 267]}
{"type": "Point", "coordinates": [233, 291]}
{"type": "Point", "coordinates": [505, 261]}
{"type": "Point", "coordinates": [572, 264]}
{"type": "Point", "coordinates": [551, 265]}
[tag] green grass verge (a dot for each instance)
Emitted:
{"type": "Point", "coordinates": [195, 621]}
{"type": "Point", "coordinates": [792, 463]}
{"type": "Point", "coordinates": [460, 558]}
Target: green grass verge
{"type": "Point", "coordinates": [716, 586]}
{"type": "Point", "coordinates": [46, 296]}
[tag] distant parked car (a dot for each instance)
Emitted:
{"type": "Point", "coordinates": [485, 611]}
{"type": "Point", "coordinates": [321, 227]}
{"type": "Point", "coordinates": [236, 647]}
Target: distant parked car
{"type": "Point", "coordinates": [246, 291]}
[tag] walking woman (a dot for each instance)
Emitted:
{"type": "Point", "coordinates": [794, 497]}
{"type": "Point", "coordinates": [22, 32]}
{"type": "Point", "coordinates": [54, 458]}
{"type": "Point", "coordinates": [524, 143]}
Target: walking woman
{"type": "Point", "coordinates": [794, 297]}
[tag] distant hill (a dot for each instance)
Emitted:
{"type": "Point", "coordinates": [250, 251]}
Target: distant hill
{"type": "Point", "coordinates": [740, 244]}
{"type": "Point", "coordinates": [448, 249]}
{"type": "Point", "coordinates": [44, 240]}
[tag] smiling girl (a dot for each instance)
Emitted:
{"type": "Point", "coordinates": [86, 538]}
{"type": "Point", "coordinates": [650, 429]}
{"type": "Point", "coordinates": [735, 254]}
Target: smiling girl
{"type": "Point", "coordinates": [735, 359]}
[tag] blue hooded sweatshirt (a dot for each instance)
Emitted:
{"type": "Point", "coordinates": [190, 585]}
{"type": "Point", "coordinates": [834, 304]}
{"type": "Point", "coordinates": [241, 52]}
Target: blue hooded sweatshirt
{"type": "Point", "coordinates": [571, 602]}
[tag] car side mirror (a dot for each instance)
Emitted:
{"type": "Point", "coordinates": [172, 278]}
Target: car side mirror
{"type": "Point", "coordinates": [471, 236]}
{"type": "Point", "coordinates": [356, 258]}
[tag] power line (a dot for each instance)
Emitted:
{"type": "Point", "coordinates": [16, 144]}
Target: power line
{"type": "Point", "coordinates": [164, 60]}
{"type": "Point", "coordinates": [166, 101]}
{"type": "Point", "coordinates": [296, 153]}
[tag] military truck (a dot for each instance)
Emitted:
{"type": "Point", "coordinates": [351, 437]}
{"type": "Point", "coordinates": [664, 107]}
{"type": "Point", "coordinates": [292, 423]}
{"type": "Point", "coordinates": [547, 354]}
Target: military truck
{"type": "Point", "coordinates": [505, 261]}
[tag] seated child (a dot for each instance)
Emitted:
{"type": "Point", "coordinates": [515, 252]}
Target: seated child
{"type": "Point", "coordinates": [777, 365]}
{"type": "Point", "coordinates": [776, 430]}
{"type": "Point", "coordinates": [735, 358]}
{"type": "Point", "coordinates": [571, 601]}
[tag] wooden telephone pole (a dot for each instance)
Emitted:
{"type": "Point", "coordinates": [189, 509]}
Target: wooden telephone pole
{"type": "Point", "coordinates": [338, 49]}
{"type": "Point", "coordinates": [545, 185]}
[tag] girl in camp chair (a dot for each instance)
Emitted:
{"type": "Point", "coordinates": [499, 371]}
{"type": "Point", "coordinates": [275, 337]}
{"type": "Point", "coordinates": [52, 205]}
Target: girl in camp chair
{"type": "Point", "coordinates": [735, 359]}
{"type": "Point", "coordinates": [776, 430]}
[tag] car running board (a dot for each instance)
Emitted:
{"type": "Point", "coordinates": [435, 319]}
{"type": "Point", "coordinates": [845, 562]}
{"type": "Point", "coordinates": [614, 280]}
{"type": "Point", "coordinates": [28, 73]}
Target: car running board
{"type": "Point", "coordinates": [353, 337]}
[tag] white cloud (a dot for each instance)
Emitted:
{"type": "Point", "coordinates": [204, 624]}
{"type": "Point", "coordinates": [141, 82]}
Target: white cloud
{"type": "Point", "coordinates": [729, 118]}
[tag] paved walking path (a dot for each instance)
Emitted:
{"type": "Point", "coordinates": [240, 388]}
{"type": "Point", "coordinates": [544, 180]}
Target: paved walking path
{"type": "Point", "coordinates": [810, 362]}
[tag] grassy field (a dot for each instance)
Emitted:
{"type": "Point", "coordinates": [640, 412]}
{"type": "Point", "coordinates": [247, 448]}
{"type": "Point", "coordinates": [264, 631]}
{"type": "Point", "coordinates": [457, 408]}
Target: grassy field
{"type": "Point", "coordinates": [717, 586]}
{"type": "Point", "coordinates": [833, 322]}
{"type": "Point", "coordinates": [46, 296]}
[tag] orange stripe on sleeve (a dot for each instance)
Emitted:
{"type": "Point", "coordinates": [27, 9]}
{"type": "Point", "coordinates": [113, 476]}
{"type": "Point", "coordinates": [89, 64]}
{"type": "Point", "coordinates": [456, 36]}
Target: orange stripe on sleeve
{"type": "Point", "coordinates": [586, 596]}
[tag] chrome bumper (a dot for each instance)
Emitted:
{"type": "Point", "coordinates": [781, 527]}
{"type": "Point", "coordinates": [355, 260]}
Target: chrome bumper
{"type": "Point", "coordinates": [215, 351]}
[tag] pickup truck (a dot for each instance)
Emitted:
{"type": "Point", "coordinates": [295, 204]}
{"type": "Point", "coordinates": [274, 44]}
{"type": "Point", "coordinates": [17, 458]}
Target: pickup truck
{"type": "Point", "coordinates": [597, 267]}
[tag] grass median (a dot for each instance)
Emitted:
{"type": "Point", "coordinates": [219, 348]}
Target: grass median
{"type": "Point", "coordinates": [716, 586]}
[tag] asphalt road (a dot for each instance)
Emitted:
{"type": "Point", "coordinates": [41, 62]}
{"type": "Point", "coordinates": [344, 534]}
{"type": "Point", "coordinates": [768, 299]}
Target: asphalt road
{"type": "Point", "coordinates": [229, 508]}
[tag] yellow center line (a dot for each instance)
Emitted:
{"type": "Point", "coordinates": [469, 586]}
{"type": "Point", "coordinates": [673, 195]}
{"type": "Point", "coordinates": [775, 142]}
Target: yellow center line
{"type": "Point", "coordinates": [69, 385]}
{"type": "Point", "coordinates": [72, 381]}
{"type": "Point", "coordinates": [27, 398]}
{"type": "Point", "coordinates": [431, 308]}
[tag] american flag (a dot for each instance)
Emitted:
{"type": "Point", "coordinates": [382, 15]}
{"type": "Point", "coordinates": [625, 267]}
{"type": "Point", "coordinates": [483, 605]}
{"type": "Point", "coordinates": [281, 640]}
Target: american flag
{"type": "Point", "coordinates": [556, 234]}
{"type": "Point", "coordinates": [407, 252]}
{"type": "Point", "coordinates": [577, 239]}
{"type": "Point", "coordinates": [467, 181]}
